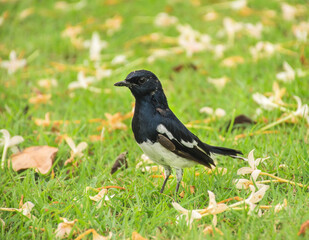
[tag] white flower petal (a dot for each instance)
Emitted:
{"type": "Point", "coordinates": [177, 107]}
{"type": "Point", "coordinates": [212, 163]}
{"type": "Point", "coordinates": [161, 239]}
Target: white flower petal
{"type": "Point", "coordinates": [242, 183]}
{"type": "Point", "coordinates": [71, 143]}
{"type": "Point", "coordinates": [15, 140]}
{"type": "Point", "coordinates": [179, 208]}
{"type": "Point", "coordinates": [251, 159]}
{"type": "Point", "coordinates": [244, 170]}
{"type": "Point", "coordinates": [255, 174]}
{"type": "Point", "coordinates": [81, 146]}
{"type": "Point", "coordinates": [258, 196]}
{"type": "Point", "coordinates": [6, 136]}
{"type": "Point", "coordinates": [212, 199]}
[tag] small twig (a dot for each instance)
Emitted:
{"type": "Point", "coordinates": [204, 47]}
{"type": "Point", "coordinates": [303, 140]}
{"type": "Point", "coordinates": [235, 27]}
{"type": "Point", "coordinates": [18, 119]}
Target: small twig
{"type": "Point", "coordinates": [231, 199]}
{"type": "Point", "coordinates": [282, 179]}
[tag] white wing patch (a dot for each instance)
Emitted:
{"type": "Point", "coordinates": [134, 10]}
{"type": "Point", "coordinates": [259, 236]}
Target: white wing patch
{"type": "Point", "coordinates": [189, 144]}
{"type": "Point", "coordinates": [162, 129]}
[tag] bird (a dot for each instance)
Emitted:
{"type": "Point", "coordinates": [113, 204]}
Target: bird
{"type": "Point", "coordinates": [160, 134]}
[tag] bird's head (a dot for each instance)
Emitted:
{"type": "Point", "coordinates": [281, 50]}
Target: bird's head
{"type": "Point", "coordinates": [141, 83]}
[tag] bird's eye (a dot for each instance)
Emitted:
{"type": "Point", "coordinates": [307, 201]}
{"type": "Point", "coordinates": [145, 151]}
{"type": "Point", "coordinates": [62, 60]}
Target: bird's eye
{"type": "Point", "coordinates": [141, 80]}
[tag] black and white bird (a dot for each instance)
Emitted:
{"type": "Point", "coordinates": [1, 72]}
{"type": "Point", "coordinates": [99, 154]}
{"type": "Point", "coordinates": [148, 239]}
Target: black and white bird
{"type": "Point", "coordinates": [159, 133]}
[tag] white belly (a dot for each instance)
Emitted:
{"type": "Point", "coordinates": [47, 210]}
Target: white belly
{"type": "Point", "coordinates": [159, 154]}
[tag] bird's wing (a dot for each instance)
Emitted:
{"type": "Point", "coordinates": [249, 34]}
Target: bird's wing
{"type": "Point", "coordinates": [174, 136]}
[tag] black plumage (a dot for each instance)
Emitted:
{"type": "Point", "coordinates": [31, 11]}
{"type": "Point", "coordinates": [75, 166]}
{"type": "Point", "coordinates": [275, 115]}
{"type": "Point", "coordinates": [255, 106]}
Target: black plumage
{"type": "Point", "coordinates": [159, 132]}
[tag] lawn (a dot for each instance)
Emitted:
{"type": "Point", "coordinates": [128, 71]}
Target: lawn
{"type": "Point", "coordinates": [216, 60]}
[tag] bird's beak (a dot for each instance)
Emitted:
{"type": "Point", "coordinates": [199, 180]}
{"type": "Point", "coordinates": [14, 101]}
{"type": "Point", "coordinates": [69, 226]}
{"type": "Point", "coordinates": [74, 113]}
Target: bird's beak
{"type": "Point", "coordinates": [123, 83]}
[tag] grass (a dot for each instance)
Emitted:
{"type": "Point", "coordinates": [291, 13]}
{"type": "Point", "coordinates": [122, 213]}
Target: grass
{"type": "Point", "coordinates": [141, 207]}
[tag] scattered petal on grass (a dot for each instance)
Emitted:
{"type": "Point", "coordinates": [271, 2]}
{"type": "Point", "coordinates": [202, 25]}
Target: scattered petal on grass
{"type": "Point", "coordinates": [8, 142]}
{"type": "Point", "coordinates": [48, 83]}
{"type": "Point", "coordinates": [191, 40]}
{"type": "Point", "coordinates": [219, 112]}
{"type": "Point", "coordinates": [64, 229]}
{"type": "Point", "coordinates": [238, 4]}
{"type": "Point", "coordinates": [120, 162]}
{"type": "Point", "coordinates": [190, 215]}
{"type": "Point", "coordinates": [263, 50]}
{"type": "Point", "coordinates": [26, 13]}
{"type": "Point", "coordinates": [43, 122]}
{"type": "Point", "coordinates": [40, 99]}
{"type": "Point", "coordinates": [82, 82]}
{"type": "Point", "coordinates": [95, 46]}
{"type": "Point", "coordinates": [76, 151]}
{"type": "Point", "coordinates": [113, 24]}
{"type": "Point", "coordinates": [289, 12]}
{"type": "Point", "coordinates": [114, 121]}
{"type": "Point", "coordinates": [38, 157]}
{"type": "Point", "coordinates": [119, 59]}
{"type": "Point", "coordinates": [13, 64]}
{"type": "Point", "coordinates": [302, 110]}
{"type": "Point", "coordinates": [64, 6]}
{"type": "Point", "coordinates": [137, 236]}
{"type": "Point", "coordinates": [303, 228]}
{"type": "Point", "coordinates": [301, 31]}
{"type": "Point", "coordinates": [210, 16]}
{"type": "Point", "coordinates": [210, 230]}
{"type": "Point", "coordinates": [165, 20]}
{"type": "Point", "coordinates": [288, 75]}
{"type": "Point", "coordinates": [100, 196]}
{"type": "Point", "coordinates": [2, 222]}
{"type": "Point", "coordinates": [95, 235]}
{"type": "Point", "coordinates": [267, 103]}
{"type": "Point", "coordinates": [24, 210]}
{"type": "Point", "coordinates": [232, 61]}
{"type": "Point", "coordinates": [219, 83]}
{"type": "Point", "coordinates": [71, 31]}
{"type": "Point", "coordinates": [252, 163]}
{"type": "Point", "coordinates": [281, 206]}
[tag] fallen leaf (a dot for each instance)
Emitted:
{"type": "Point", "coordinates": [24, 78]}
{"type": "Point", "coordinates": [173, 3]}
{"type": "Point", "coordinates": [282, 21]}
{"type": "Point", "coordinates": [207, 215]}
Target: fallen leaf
{"type": "Point", "coordinates": [99, 196]}
{"type": "Point", "coordinates": [210, 230]}
{"type": "Point", "coordinates": [232, 61]}
{"type": "Point", "coordinates": [192, 189]}
{"type": "Point", "coordinates": [39, 157]}
{"type": "Point", "coordinates": [182, 194]}
{"type": "Point", "coordinates": [180, 67]}
{"type": "Point", "coordinates": [240, 121]}
{"type": "Point", "coordinates": [303, 228]}
{"type": "Point", "coordinates": [64, 228]}
{"type": "Point", "coordinates": [95, 235]}
{"type": "Point", "coordinates": [120, 162]}
{"type": "Point", "coordinates": [137, 236]}
{"type": "Point", "coordinates": [40, 99]}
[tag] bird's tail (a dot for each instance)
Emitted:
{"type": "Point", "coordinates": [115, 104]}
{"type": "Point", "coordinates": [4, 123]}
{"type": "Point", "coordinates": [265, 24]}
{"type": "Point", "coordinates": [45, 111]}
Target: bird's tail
{"type": "Point", "coordinates": [224, 151]}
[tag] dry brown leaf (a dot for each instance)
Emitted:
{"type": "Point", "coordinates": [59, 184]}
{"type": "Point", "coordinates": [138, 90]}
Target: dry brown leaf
{"type": "Point", "coordinates": [210, 230]}
{"type": "Point", "coordinates": [64, 228]}
{"type": "Point", "coordinates": [137, 236]}
{"type": "Point", "coordinates": [303, 228]}
{"type": "Point", "coordinates": [39, 157]}
{"type": "Point", "coordinates": [182, 194]}
{"type": "Point", "coordinates": [114, 121]}
{"type": "Point", "coordinates": [192, 189]}
{"type": "Point", "coordinates": [96, 138]}
{"type": "Point", "coordinates": [120, 162]}
{"type": "Point", "coordinates": [95, 235]}
{"type": "Point", "coordinates": [43, 122]}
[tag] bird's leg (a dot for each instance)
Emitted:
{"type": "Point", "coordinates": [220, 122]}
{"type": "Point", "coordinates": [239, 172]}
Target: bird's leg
{"type": "Point", "coordinates": [167, 172]}
{"type": "Point", "coordinates": [179, 173]}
